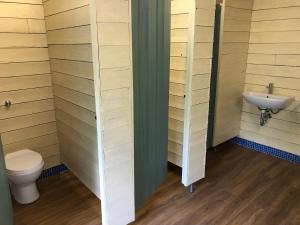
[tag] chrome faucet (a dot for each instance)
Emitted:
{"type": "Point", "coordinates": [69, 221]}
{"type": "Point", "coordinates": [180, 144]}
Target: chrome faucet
{"type": "Point", "coordinates": [270, 88]}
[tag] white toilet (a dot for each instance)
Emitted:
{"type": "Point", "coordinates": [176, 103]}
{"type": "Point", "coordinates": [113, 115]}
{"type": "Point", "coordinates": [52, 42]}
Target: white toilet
{"type": "Point", "coordinates": [23, 169]}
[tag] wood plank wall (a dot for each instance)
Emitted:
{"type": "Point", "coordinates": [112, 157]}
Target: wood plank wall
{"type": "Point", "coordinates": [232, 69]}
{"type": "Point", "coordinates": [180, 10]}
{"type": "Point", "coordinates": [69, 39]}
{"type": "Point", "coordinates": [198, 89]}
{"type": "Point", "coordinates": [111, 35]}
{"type": "Point", "coordinates": [25, 80]}
{"type": "Point", "coordinates": [274, 56]}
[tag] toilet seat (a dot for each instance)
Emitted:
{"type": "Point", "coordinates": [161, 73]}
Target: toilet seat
{"type": "Point", "coordinates": [23, 162]}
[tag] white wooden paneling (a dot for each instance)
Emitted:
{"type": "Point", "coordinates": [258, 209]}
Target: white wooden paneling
{"type": "Point", "coordinates": [113, 11]}
{"type": "Point", "coordinates": [274, 54]}
{"type": "Point", "coordinates": [197, 91]}
{"type": "Point", "coordinates": [75, 68]}
{"type": "Point", "coordinates": [27, 95]}
{"type": "Point", "coordinates": [20, 122]}
{"type": "Point", "coordinates": [12, 55]}
{"type": "Point", "coordinates": [70, 18]}
{"type": "Point", "coordinates": [112, 60]}
{"type": "Point", "coordinates": [265, 4]}
{"type": "Point", "coordinates": [13, 25]}
{"type": "Point", "coordinates": [59, 6]}
{"type": "Point", "coordinates": [180, 16]}
{"type": "Point", "coordinates": [27, 133]}
{"type": "Point", "coordinates": [26, 108]}
{"type": "Point", "coordinates": [75, 83]}
{"type": "Point", "coordinates": [34, 143]}
{"type": "Point", "coordinates": [24, 68]}
{"type": "Point", "coordinates": [35, 2]}
{"type": "Point", "coordinates": [232, 69]}
{"type": "Point", "coordinates": [71, 52]}
{"type": "Point", "coordinates": [75, 97]}
{"type": "Point", "coordinates": [17, 10]}
{"type": "Point", "coordinates": [12, 40]}
{"type": "Point", "coordinates": [26, 82]}
{"type": "Point", "coordinates": [73, 35]}
{"type": "Point", "coordinates": [69, 39]}
{"type": "Point", "coordinates": [276, 14]}
{"type": "Point", "coordinates": [275, 25]}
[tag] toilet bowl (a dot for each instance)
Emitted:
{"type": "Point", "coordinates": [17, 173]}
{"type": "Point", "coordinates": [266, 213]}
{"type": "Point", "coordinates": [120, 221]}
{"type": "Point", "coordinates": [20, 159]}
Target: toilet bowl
{"type": "Point", "coordinates": [23, 169]}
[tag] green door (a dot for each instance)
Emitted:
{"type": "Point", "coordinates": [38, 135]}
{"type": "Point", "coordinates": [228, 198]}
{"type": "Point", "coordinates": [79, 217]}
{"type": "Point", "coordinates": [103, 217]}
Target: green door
{"type": "Point", "coordinates": [151, 63]}
{"type": "Point", "coordinates": [6, 214]}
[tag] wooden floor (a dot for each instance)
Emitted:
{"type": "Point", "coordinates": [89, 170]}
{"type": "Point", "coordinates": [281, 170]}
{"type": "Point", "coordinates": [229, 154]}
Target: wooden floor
{"type": "Point", "coordinates": [63, 201]}
{"type": "Point", "coordinates": [242, 188]}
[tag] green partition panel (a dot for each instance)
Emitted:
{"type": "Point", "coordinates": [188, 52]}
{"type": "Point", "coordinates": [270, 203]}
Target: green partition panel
{"type": "Point", "coordinates": [214, 77]}
{"type": "Point", "coordinates": [6, 212]}
{"type": "Point", "coordinates": [151, 65]}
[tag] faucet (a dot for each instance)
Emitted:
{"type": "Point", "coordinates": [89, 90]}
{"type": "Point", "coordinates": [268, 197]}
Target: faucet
{"type": "Point", "coordinates": [270, 88]}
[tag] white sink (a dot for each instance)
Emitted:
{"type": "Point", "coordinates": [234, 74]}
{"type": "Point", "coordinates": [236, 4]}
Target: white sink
{"type": "Point", "coordinates": [268, 101]}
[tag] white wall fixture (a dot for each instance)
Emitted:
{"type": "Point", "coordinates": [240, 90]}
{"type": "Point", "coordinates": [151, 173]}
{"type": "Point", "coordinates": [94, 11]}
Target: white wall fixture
{"type": "Point", "coordinates": [268, 104]}
{"type": "Point", "coordinates": [268, 101]}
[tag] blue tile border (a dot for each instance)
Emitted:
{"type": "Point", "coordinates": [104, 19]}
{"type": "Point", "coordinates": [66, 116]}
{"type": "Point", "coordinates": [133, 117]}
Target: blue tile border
{"type": "Point", "coordinates": [267, 150]}
{"type": "Point", "coordinates": [53, 171]}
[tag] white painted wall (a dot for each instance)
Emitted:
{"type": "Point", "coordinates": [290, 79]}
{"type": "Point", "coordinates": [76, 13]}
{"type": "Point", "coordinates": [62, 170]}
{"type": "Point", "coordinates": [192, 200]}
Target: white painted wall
{"type": "Point", "coordinates": [234, 46]}
{"type": "Point", "coordinates": [25, 80]}
{"type": "Point", "coordinates": [180, 18]}
{"type": "Point", "coordinates": [273, 56]}
{"type": "Point", "coordinates": [197, 90]}
{"type": "Point", "coordinates": [111, 39]}
{"type": "Point", "coordinates": [69, 39]}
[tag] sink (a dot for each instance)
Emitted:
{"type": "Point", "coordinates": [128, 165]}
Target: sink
{"type": "Point", "coordinates": [268, 101]}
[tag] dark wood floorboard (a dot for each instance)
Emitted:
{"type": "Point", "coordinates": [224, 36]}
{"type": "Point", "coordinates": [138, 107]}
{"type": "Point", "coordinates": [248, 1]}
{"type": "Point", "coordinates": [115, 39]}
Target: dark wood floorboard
{"type": "Point", "coordinates": [64, 200]}
{"type": "Point", "coordinates": [241, 187]}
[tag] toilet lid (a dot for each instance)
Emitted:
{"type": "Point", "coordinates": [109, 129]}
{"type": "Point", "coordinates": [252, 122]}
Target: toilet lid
{"type": "Point", "coordinates": [24, 160]}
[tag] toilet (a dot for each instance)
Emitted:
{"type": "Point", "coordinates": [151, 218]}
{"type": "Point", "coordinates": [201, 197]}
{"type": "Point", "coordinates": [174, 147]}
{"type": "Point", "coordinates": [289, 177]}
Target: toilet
{"type": "Point", "coordinates": [23, 169]}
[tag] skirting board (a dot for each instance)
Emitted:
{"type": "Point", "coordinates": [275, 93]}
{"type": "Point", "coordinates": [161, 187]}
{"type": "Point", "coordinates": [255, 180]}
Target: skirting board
{"type": "Point", "coordinates": [53, 171]}
{"type": "Point", "coordinates": [267, 150]}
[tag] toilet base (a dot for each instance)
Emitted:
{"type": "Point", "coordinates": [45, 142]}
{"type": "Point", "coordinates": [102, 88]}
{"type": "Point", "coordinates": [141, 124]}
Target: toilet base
{"type": "Point", "coordinates": [25, 194]}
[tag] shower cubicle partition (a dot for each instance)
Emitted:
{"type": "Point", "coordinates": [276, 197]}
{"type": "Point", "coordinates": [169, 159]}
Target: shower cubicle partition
{"type": "Point", "coordinates": [151, 60]}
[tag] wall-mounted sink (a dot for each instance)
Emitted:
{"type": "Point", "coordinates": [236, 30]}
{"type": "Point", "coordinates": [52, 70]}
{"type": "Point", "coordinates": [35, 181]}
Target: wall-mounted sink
{"type": "Point", "coordinates": [268, 101]}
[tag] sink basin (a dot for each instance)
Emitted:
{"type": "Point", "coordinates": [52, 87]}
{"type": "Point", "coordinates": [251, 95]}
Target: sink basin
{"type": "Point", "coordinates": [268, 101]}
